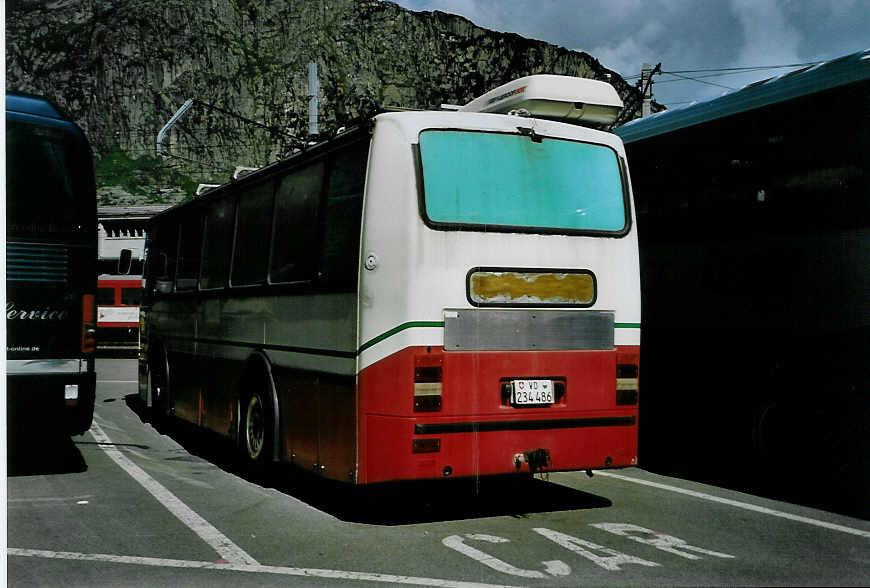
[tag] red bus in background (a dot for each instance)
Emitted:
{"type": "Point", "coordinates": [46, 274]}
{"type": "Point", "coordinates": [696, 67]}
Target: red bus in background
{"type": "Point", "coordinates": [118, 299]}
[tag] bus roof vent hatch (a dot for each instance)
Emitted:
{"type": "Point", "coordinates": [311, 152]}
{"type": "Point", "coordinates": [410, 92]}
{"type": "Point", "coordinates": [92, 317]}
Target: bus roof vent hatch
{"type": "Point", "coordinates": [566, 98]}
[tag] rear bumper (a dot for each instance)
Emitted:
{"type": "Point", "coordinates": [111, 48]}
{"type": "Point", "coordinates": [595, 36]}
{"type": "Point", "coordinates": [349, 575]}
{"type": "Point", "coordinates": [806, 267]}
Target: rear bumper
{"type": "Point", "coordinates": [63, 389]}
{"type": "Point", "coordinates": [475, 429]}
{"type": "Point", "coordinates": [484, 448]}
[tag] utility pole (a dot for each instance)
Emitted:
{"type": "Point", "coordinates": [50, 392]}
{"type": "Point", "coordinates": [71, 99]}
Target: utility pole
{"type": "Point", "coordinates": [313, 84]}
{"type": "Point", "coordinates": [645, 86]}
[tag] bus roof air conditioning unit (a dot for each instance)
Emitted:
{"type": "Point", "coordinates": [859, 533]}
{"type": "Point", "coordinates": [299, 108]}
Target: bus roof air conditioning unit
{"type": "Point", "coordinates": [578, 100]}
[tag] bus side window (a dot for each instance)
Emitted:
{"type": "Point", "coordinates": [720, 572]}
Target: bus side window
{"type": "Point", "coordinates": [105, 296]}
{"type": "Point", "coordinates": [131, 296]}
{"type": "Point", "coordinates": [189, 252]}
{"type": "Point", "coordinates": [340, 254]}
{"type": "Point", "coordinates": [218, 232]}
{"type": "Point", "coordinates": [251, 255]}
{"type": "Point", "coordinates": [295, 228]}
{"type": "Point", "coordinates": [166, 250]}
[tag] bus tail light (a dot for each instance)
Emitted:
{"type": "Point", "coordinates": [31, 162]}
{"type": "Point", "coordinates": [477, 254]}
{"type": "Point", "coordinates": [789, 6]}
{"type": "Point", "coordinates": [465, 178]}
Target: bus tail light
{"type": "Point", "coordinates": [626, 384]}
{"type": "Point", "coordinates": [89, 324]}
{"type": "Point", "coordinates": [428, 378]}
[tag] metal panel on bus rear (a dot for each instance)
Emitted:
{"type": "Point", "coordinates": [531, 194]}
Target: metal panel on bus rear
{"type": "Point", "coordinates": [485, 329]}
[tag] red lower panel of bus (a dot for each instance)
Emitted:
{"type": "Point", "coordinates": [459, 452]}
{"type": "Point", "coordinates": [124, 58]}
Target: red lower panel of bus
{"type": "Point", "coordinates": [424, 413]}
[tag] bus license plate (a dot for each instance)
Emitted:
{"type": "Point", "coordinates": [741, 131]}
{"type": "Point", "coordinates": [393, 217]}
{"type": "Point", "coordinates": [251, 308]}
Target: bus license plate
{"type": "Point", "coordinates": [531, 392]}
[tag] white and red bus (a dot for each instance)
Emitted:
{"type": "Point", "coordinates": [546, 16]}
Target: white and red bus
{"type": "Point", "coordinates": [118, 299]}
{"type": "Point", "coordinates": [439, 294]}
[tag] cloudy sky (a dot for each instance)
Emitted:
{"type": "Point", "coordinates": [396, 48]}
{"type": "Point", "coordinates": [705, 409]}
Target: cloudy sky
{"type": "Point", "coordinates": [689, 37]}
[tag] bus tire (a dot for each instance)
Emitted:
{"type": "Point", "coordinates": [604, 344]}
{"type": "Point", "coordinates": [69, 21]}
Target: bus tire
{"type": "Point", "coordinates": [255, 429]}
{"type": "Point", "coordinates": [257, 424]}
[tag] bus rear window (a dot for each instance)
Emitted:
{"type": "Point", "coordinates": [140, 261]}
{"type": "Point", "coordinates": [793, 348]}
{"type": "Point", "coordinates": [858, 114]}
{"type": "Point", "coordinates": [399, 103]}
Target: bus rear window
{"type": "Point", "coordinates": [493, 181]}
{"type": "Point", "coordinates": [48, 187]}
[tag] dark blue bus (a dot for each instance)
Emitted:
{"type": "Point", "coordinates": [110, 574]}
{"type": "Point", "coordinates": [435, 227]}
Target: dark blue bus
{"type": "Point", "coordinates": [51, 257]}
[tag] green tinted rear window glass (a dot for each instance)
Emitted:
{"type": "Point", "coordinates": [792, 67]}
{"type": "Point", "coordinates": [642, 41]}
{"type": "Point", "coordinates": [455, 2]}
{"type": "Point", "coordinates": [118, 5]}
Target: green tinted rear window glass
{"type": "Point", "coordinates": [505, 180]}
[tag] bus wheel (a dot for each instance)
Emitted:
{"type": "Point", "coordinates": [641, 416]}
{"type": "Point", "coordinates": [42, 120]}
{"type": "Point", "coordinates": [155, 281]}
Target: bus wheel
{"type": "Point", "coordinates": [256, 430]}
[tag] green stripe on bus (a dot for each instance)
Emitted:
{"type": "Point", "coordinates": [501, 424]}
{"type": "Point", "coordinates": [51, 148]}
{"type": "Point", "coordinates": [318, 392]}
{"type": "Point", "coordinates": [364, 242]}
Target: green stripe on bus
{"type": "Point", "coordinates": [402, 327]}
{"type": "Point", "coordinates": [626, 325]}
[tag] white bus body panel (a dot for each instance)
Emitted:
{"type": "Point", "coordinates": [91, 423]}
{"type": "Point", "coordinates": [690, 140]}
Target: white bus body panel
{"type": "Point", "coordinates": [420, 271]}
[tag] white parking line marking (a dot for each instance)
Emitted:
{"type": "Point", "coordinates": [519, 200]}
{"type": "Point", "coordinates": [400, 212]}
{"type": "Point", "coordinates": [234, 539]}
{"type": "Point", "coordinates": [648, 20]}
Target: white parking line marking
{"type": "Point", "coordinates": [260, 569]}
{"type": "Point", "coordinates": [205, 530]}
{"type": "Point", "coordinates": [667, 543]}
{"type": "Point", "coordinates": [738, 504]}
{"type": "Point", "coordinates": [457, 543]}
{"type": "Point", "coordinates": [611, 560]}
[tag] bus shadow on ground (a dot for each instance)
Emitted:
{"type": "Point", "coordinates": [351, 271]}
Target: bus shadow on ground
{"type": "Point", "coordinates": [404, 503]}
{"type": "Point", "coordinates": [138, 407]}
{"type": "Point", "coordinates": [41, 447]}
{"type": "Point", "coordinates": [399, 503]}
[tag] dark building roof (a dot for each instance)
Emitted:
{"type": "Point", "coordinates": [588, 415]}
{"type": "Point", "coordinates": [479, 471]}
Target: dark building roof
{"type": "Point", "coordinates": [808, 80]}
{"type": "Point", "coordinates": [129, 212]}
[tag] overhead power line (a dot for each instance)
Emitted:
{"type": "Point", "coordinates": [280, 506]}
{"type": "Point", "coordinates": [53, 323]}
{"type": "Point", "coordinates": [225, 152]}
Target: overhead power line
{"type": "Point", "coordinates": [699, 80]}
{"type": "Point", "coordinates": [271, 128]}
{"type": "Point", "coordinates": [736, 69]}
{"type": "Point", "coordinates": [711, 75]}
{"type": "Point", "coordinates": [746, 67]}
{"type": "Point", "coordinates": [704, 73]}
{"type": "Point", "coordinates": [163, 134]}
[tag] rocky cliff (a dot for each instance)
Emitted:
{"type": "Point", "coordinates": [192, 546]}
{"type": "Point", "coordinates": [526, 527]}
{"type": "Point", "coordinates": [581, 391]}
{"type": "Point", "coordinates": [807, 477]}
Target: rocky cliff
{"type": "Point", "coordinates": [121, 68]}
